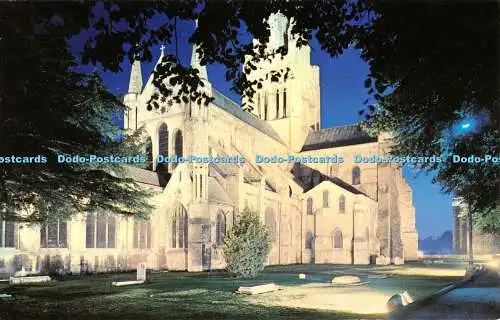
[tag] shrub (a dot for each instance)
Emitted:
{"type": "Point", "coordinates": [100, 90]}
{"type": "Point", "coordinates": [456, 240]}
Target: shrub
{"type": "Point", "coordinates": [247, 245]}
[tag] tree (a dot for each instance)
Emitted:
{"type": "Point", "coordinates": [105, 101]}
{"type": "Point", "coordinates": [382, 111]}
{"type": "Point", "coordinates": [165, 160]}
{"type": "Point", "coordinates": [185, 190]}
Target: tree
{"type": "Point", "coordinates": [434, 80]}
{"type": "Point", "coordinates": [484, 221]}
{"type": "Point", "coordinates": [48, 108]}
{"type": "Point", "coordinates": [436, 57]}
{"type": "Point", "coordinates": [247, 245]}
{"type": "Point", "coordinates": [114, 30]}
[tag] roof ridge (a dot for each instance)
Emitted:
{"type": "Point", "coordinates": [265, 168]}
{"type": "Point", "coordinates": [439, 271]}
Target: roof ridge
{"type": "Point", "coordinates": [340, 126]}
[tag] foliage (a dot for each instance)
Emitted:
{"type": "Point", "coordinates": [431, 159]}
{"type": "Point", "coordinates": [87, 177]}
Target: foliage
{"type": "Point", "coordinates": [48, 108]}
{"type": "Point", "coordinates": [484, 221]}
{"type": "Point", "coordinates": [247, 245]}
{"type": "Point", "coordinates": [432, 65]}
{"type": "Point", "coordinates": [488, 222]}
{"type": "Point", "coordinates": [112, 31]}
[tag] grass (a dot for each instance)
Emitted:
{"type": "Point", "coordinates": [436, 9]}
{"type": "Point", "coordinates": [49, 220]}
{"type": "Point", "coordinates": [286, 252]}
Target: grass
{"type": "Point", "coordinates": [181, 295]}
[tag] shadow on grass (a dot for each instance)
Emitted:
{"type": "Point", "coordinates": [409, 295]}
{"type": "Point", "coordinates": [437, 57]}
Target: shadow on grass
{"type": "Point", "coordinates": [168, 296]}
{"type": "Point", "coordinates": [182, 295]}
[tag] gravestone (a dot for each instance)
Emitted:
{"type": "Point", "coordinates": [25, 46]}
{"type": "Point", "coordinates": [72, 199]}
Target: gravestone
{"type": "Point", "coordinates": [258, 289]}
{"type": "Point", "coordinates": [141, 277]}
{"type": "Point", "coordinates": [21, 273]}
{"type": "Point", "coordinates": [24, 280]}
{"type": "Point", "coordinates": [346, 280]}
{"type": "Point", "coordinates": [141, 272]}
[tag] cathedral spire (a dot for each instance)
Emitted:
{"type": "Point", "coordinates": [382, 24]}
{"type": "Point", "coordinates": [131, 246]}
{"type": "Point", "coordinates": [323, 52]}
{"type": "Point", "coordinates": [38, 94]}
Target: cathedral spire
{"type": "Point", "coordinates": [135, 84]}
{"type": "Point", "coordinates": [278, 25]}
{"type": "Point", "coordinates": [195, 62]}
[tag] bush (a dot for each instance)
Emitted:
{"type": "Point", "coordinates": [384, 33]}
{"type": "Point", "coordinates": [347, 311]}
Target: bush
{"type": "Point", "coordinates": [247, 245]}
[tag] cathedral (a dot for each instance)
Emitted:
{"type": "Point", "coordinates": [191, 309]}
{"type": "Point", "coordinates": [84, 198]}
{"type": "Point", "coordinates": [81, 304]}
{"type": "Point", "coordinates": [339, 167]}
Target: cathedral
{"type": "Point", "coordinates": [338, 212]}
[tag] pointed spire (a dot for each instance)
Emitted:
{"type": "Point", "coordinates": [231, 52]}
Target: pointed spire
{"type": "Point", "coordinates": [195, 61]}
{"type": "Point", "coordinates": [162, 50]}
{"type": "Point", "coordinates": [135, 84]}
{"type": "Point", "coordinates": [277, 25]}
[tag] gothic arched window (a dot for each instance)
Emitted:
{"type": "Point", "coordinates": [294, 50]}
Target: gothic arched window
{"type": "Point", "coordinates": [259, 106]}
{"type": "Point", "coordinates": [100, 230]}
{"type": "Point", "coordinates": [309, 240]}
{"type": "Point", "coordinates": [7, 231]}
{"type": "Point", "coordinates": [309, 206]}
{"type": "Point", "coordinates": [284, 104]}
{"type": "Point", "coordinates": [325, 199]}
{"type": "Point", "coordinates": [149, 153]}
{"type": "Point", "coordinates": [178, 143]}
{"type": "Point", "coordinates": [220, 228]}
{"type": "Point", "coordinates": [265, 105]}
{"type": "Point", "coordinates": [338, 240]}
{"type": "Point", "coordinates": [179, 227]}
{"type": "Point", "coordinates": [178, 147]}
{"type": "Point", "coordinates": [277, 104]}
{"type": "Point", "coordinates": [341, 204]}
{"type": "Point", "coordinates": [270, 222]}
{"type": "Point", "coordinates": [163, 140]}
{"type": "Point", "coordinates": [356, 175]}
{"type": "Point", "coordinates": [142, 234]}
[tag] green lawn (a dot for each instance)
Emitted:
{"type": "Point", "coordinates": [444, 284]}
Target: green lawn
{"type": "Point", "coordinates": [180, 295]}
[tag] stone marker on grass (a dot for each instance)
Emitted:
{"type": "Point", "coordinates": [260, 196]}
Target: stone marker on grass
{"type": "Point", "coordinates": [141, 272]}
{"type": "Point", "coordinates": [258, 289]}
{"type": "Point", "coordinates": [5, 296]}
{"type": "Point", "coordinates": [21, 273]}
{"type": "Point", "coordinates": [141, 277]}
{"type": "Point", "coordinates": [346, 280]}
{"type": "Point", "coordinates": [27, 280]}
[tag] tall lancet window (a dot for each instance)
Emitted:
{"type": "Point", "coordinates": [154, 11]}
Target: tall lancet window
{"type": "Point", "coordinates": [179, 227]}
{"type": "Point", "coordinates": [163, 143]}
{"type": "Point", "coordinates": [149, 153]}
{"type": "Point", "coordinates": [178, 148]}
{"type": "Point", "coordinates": [258, 106]}
{"type": "Point", "coordinates": [220, 228]}
{"type": "Point", "coordinates": [356, 175]}
{"type": "Point", "coordinates": [265, 106]}
{"type": "Point", "coordinates": [341, 204]}
{"type": "Point", "coordinates": [277, 104]}
{"type": "Point", "coordinates": [284, 104]}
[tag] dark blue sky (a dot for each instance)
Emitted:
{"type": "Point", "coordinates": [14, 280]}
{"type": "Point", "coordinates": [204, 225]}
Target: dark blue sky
{"type": "Point", "coordinates": [342, 96]}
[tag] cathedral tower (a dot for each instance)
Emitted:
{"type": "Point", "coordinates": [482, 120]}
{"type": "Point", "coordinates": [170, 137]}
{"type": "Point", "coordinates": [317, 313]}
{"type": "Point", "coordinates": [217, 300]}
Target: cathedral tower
{"type": "Point", "coordinates": [291, 107]}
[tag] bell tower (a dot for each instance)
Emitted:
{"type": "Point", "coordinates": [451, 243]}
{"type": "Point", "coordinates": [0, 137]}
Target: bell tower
{"type": "Point", "coordinates": [291, 106]}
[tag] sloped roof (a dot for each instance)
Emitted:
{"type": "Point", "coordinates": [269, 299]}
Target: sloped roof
{"type": "Point", "coordinates": [339, 182]}
{"type": "Point", "coordinates": [143, 175]}
{"type": "Point", "coordinates": [336, 137]}
{"type": "Point", "coordinates": [216, 192]}
{"type": "Point", "coordinates": [228, 105]}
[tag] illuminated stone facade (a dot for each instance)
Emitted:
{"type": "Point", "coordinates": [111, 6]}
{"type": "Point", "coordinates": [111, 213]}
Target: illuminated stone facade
{"type": "Point", "coordinates": [317, 212]}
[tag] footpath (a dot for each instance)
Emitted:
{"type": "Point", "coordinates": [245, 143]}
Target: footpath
{"type": "Point", "coordinates": [476, 297]}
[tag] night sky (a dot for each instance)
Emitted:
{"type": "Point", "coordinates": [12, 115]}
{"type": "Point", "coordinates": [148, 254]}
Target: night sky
{"type": "Point", "coordinates": [342, 96]}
